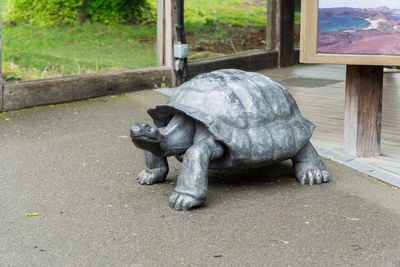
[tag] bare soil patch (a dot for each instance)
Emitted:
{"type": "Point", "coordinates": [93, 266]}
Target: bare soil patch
{"type": "Point", "coordinates": [235, 39]}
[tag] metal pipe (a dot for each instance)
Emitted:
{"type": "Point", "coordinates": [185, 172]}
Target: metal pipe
{"type": "Point", "coordinates": [180, 27]}
{"type": "Point", "coordinates": [181, 74]}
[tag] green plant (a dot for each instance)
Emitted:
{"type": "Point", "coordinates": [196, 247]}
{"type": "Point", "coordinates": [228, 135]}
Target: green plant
{"type": "Point", "coordinates": [162, 84]}
{"type": "Point", "coordinates": [235, 49]}
{"type": "Point", "coordinates": [52, 12]}
{"type": "Point", "coordinates": [52, 68]}
{"type": "Point", "coordinates": [12, 77]}
{"type": "Point", "coordinates": [297, 16]}
{"type": "Point", "coordinates": [118, 11]}
{"type": "Point", "coordinates": [43, 12]}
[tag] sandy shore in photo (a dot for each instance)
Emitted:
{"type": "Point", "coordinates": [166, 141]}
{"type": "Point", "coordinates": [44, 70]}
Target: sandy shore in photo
{"type": "Point", "coordinates": [373, 24]}
{"type": "Point", "coordinates": [388, 44]}
{"type": "Point", "coordinates": [360, 42]}
{"type": "Point", "coordinates": [381, 37]}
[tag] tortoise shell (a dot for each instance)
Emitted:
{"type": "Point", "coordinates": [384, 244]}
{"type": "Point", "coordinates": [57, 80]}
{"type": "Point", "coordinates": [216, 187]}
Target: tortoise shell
{"type": "Point", "coordinates": [256, 119]}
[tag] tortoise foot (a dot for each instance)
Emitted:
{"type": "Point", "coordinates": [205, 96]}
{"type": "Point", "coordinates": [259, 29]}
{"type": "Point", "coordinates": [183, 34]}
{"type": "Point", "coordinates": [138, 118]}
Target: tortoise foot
{"type": "Point", "coordinates": [311, 175]}
{"type": "Point", "coordinates": [309, 168]}
{"type": "Point", "coordinates": [152, 176]}
{"type": "Point", "coordinates": [183, 202]}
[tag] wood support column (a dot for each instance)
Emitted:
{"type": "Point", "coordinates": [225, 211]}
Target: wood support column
{"type": "Point", "coordinates": [272, 36]}
{"type": "Point", "coordinates": [363, 114]}
{"type": "Point", "coordinates": [160, 32]}
{"type": "Point", "coordinates": [1, 70]}
{"type": "Point", "coordinates": [280, 30]}
{"type": "Point", "coordinates": [167, 17]}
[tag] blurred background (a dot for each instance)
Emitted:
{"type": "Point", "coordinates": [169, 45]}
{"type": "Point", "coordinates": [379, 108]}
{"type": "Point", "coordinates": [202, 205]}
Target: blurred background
{"type": "Point", "coordinates": [51, 38]}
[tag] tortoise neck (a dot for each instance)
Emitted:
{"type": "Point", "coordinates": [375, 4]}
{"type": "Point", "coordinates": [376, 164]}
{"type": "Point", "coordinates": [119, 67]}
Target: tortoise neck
{"type": "Point", "coordinates": [178, 135]}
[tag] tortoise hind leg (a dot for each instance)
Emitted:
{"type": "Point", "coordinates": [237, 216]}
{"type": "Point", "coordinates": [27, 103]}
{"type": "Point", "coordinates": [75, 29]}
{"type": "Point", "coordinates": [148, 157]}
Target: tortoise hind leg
{"type": "Point", "coordinates": [308, 166]}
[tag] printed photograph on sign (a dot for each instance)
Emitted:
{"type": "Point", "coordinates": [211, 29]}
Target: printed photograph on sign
{"type": "Point", "coordinates": [369, 27]}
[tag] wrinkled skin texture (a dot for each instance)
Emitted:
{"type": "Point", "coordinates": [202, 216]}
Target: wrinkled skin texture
{"type": "Point", "coordinates": [193, 134]}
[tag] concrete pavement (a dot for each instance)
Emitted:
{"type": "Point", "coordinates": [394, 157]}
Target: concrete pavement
{"type": "Point", "coordinates": [74, 165]}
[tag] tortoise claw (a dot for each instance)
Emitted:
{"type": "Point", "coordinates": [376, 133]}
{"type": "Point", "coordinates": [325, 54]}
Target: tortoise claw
{"type": "Point", "coordinates": [183, 202]}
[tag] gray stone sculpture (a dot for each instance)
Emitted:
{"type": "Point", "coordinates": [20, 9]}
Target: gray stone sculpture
{"type": "Point", "coordinates": [225, 119]}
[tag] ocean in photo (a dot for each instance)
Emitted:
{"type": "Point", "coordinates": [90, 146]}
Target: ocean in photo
{"type": "Point", "coordinates": [395, 17]}
{"type": "Point", "coordinates": [339, 23]}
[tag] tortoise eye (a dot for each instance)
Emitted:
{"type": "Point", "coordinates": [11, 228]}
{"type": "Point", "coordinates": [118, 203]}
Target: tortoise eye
{"type": "Point", "coordinates": [148, 128]}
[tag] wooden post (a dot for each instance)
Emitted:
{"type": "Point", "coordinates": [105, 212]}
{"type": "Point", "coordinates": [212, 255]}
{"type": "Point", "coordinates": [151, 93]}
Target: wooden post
{"type": "Point", "coordinates": [160, 32]}
{"type": "Point", "coordinates": [272, 36]}
{"type": "Point", "coordinates": [280, 30]}
{"type": "Point", "coordinates": [363, 114]}
{"type": "Point", "coordinates": [167, 17]}
{"type": "Point", "coordinates": [1, 70]}
{"type": "Point", "coordinates": [171, 19]}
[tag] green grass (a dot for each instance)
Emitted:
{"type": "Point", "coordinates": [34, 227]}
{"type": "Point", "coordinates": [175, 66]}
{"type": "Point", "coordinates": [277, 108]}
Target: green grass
{"type": "Point", "coordinates": [31, 52]}
{"type": "Point", "coordinates": [215, 23]}
{"type": "Point", "coordinates": [48, 52]}
{"type": "Point", "coordinates": [3, 6]}
{"type": "Point", "coordinates": [208, 15]}
{"type": "Point", "coordinates": [201, 13]}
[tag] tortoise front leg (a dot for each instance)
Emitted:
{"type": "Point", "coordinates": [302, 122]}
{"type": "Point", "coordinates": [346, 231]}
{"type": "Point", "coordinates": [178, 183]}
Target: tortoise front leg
{"type": "Point", "coordinates": [156, 169]}
{"type": "Point", "coordinates": [192, 184]}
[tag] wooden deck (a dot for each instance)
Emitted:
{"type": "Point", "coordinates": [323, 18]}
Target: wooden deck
{"type": "Point", "coordinates": [319, 91]}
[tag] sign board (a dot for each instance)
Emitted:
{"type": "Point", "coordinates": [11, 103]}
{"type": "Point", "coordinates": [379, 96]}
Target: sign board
{"type": "Point", "coordinates": [353, 32]}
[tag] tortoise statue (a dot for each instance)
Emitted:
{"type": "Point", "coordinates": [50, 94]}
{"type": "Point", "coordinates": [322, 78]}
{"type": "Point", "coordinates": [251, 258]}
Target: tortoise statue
{"type": "Point", "coordinates": [225, 119]}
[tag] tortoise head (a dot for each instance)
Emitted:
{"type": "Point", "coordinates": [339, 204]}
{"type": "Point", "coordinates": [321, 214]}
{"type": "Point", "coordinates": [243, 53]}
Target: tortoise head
{"type": "Point", "coordinates": [147, 137]}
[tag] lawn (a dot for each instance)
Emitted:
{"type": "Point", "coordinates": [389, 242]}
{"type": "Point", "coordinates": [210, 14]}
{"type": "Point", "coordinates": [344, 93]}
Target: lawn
{"type": "Point", "coordinates": [34, 52]}
{"type": "Point", "coordinates": [217, 27]}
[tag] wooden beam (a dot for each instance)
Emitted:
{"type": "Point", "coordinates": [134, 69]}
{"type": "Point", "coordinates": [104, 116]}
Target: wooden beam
{"type": "Point", "coordinates": [171, 18]}
{"type": "Point", "coordinates": [1, 70]}
{"type": "Point", "coordinates": [170, 35]}
{"type": "Point", "coordinates": [280, 30]}
{"type": "Point", "coordinates": [272, 35]}
{"type": "Point", "coordinates": [160, 32]}
{"type": "Point", "coordinates": [363, 114]}
{"type": "Point", "coordinates": [22, 94]}
{"type": "Point", "coordinates": [286, 49]}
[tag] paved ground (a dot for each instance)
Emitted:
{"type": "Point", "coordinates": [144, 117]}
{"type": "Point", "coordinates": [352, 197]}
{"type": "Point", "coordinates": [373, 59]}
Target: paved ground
{"type": "Point", "coordinates": [75, 167]}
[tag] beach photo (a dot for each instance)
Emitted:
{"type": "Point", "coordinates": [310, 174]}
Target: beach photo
{"type": "Point", "coordinates": [370, 27]}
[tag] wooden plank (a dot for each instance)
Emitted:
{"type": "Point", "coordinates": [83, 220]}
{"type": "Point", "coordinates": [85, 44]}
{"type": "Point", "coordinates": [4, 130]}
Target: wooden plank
{"type": "Point", "coordinates": [363, 111]}
{"type": "Point", "coordinates": [286, 50]}
{"type": "Point", "coordinates": [352, 59]}
{"type": "Point", "coordinates": [160, 32]}
{"type": "Point", "coordinates": [280, 30]}
{"type": "Point", "coordinates": [271, 35]}
{"type": "Point", "coordinates": [19, 95]}
{"type": "Point", "coordinates": [171, 18]}
{"type": "Point", "coordinates": [170, 37]}
{"type": "Point", "coordinates": [1, 69]}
